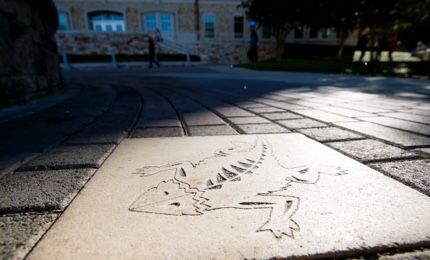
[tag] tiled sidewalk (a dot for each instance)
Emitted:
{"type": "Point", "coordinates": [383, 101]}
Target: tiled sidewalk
{"type": "Point", "coordinates": [383, 123]}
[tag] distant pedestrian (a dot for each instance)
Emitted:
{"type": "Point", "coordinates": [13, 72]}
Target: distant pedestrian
{"type": "Point", "coordinates": [151, 48]}
{"type": "Point", "coordinates": [253, 50]}
{"type": "Point", "coordinates": [392, 45]}
{"type": "Point", "coordinates": [382, 46]}
{"type": "Point", "coordinates": [362, 45]}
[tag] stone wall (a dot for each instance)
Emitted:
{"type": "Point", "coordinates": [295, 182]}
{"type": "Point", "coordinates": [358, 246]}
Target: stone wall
{"type": "Point", "coordinates": [233, 53]}
{"type": "Point", "coordinates": [91, 42]}
{"type": "Point", "coordinates": [28, 54]}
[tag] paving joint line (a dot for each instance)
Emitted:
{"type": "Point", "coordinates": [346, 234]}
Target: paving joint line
{"type": "Point", "coordinates": [181, 119]}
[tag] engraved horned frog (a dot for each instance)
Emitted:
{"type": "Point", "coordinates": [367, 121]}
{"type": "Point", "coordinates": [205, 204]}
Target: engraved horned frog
{"type": "Point", "coordinates": [231, 178]}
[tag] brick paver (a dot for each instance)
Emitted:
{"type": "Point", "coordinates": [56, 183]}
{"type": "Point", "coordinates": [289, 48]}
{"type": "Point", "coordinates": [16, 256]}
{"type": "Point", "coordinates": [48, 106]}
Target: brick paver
{"type": "Point", "coordinates": [49, 151]}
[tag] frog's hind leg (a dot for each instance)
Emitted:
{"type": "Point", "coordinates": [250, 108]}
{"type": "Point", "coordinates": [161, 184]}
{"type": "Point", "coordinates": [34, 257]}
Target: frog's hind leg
{"type": "Point", "coordinates": [280, 221]}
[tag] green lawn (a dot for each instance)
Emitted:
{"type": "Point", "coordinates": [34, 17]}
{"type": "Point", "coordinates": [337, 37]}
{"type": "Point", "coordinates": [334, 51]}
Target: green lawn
{"type": "Point", "coordinates": [399, 68]}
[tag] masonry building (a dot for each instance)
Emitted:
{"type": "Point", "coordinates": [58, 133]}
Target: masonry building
{"type": "Point", "coordinates": [216, 30]}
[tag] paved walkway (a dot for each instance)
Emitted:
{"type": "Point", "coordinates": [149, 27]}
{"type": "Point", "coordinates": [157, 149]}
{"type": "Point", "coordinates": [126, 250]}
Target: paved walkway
{"type": "Point", "coordinates": [52, 147]}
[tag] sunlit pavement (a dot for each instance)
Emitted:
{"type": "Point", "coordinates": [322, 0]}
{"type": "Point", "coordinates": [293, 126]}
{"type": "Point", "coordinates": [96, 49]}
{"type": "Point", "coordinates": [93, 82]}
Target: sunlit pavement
{"type": "Point", "coordinates": [53, 146]}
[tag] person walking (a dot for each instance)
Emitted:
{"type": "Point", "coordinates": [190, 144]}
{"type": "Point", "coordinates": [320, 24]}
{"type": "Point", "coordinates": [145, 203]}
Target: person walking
{"type": "Point", "coordinates": [151, 48]}
{"type": "Point", "coordinates": [392, 45]}
{"type": "Point", "coordinates": [362, 45]}
{"type": "Point", "coordinates": [253, 50]}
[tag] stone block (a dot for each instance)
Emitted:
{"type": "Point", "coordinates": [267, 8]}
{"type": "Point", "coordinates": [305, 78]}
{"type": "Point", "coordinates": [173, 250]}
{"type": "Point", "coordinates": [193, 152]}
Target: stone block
{"type": "Point", "coordinates": [326, 134]}
{"type": "Point", "coordinates": [371, 150]}
{"type": "Point", "coordinates": [262, 129]}
{"type": "Point", "coordinates": [408, 117]}
{"type": "Point", "coordinates": [414, 173]}
{"type": "Point", "coordinates": [211, 130]}
{"type": "Point", "coordinates": [37, 191]}
{"type": "Point", "coordinates": [281, 116]}
{"type": "Point", "coordinates": [235, 197]}
{"type": "Point", "coordinates": [388, 134]}
{"type": "Point", "coordinates": [201, 118]}
{"type": "Point", "coordinates": [267, 109]}
{"type": "Point", "coordinates": [301, 123]}
{"type": "Point", "coordinates": [232, 111]}
{"type": "Point", "coordinates": [70, 157]}
{"type": "Point", "coordinates": [399, 124]}
{"type": "Point", "coordinates": [324, 116]}
{"type": "Point", "coordinates": [248, 120]}
{"type": "Point", "coordinates": [21, 232]}
{"type": "Point", "coordinates": [149, 132]}
{"type": "Point", "coordinates": [345, 111]}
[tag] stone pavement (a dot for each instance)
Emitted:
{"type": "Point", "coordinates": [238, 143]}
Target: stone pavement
{"type": "Point", "coordinates": [374, 203]}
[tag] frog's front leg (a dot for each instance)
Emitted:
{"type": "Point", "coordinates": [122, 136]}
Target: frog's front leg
{"type": "Point", "coordinates": [282, 208]}
{"type": "Point", "coordinates": [310, 174]}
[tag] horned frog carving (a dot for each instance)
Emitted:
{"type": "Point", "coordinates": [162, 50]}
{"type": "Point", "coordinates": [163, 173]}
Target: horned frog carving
{"type": "Point", "coordinates": [232, 178]}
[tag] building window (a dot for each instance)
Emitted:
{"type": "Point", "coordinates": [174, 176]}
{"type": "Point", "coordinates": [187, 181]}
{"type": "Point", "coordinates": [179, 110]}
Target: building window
{"type": "Point", "coordinates": [163, 22]}
{"type": "Point", "coordinates": [166, 26]}
{"type": "Point", "coordinates": [238, 27]}
{"type": "Point", "coordinates": [209, 25]}
{"type": "Point", "coordinates": [106, 21]}
{"type": "Point", "coordinates": [267, 32]}
{"type": "Point", "coordinates": [150, 22]}
{"type": "Point", "coordinates": [63, 21]}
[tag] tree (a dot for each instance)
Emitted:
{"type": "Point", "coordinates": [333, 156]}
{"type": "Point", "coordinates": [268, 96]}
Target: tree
{"type": "Point", "coordinates": [342, 16]}
{"type": "Point", "coordinates": [281, 15]}
{"type": "Point", "coordinates": [384, 17]}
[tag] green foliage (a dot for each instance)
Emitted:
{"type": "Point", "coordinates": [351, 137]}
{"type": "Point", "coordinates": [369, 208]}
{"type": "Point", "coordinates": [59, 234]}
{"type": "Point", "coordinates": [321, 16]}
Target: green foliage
{"type": "Point", "coordinates": [345, 66]}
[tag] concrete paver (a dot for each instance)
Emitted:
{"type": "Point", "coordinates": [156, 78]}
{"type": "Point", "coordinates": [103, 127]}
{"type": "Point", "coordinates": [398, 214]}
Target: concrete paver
{"type": "Point", "coordinates": [324, 116]}
{"type": "Point", "coordinates": [281, 116]}
{"type": "Point", "coordinates": [21, 232]}
{"type": "Point", "coordinates": [211, 130]}
{"type": "Point", "coordinates": [303, 199]}
{"type": "Point", "coordinates": [417, 111]}
{"type": "Point", "coordinates": [408, 117]}
{"type": "Point", "coordinates": [267, 109]}
{"type": "Point", "coordinates": [128, 106]}
{"type": "Point", "coordinates": [392, 135]}
{"type": "Point", "coordinates": [415, 173]}
{"type": "Point", "coordinates": [248, 120]}
{"type": "Point", "coordinates": [263, 128]}
{"type": "Point", "coordinates": [232, 111]}
{"type": "Point", "coordinates": [157, 132]}
{"type": "Point", "coordinates": [346, 112]}
{"type": "Point", "coordinates": [70, 157]}
{"type": "Point", "coordinates": [39, 191]}
{"type": "Point", "coordinates": [301, 123]}
{"type": "Point", "coordinates": [400, 124]}
{"type": "Point", "coordinates": [325, 134]}
{"type": "Point", "coordinates": [371, 150]}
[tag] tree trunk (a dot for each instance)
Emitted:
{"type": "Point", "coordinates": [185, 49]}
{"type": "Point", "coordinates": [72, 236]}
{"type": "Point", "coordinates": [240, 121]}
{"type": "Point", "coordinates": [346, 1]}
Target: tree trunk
{"type": "Point", "coordinates": [341, 46]}
{"type": "Point", "coordinates": [280, 42]}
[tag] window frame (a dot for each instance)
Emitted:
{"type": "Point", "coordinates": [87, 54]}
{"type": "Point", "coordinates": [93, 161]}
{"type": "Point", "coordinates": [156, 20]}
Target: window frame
{"type": "Point", "coordinates": [208, 34]}
{"type": "Point", "coordinates": [241, 33]}
{"type": "Point", "coordinates": [158, 15]}
{"type": "Point", "coordinates": [104, 24]}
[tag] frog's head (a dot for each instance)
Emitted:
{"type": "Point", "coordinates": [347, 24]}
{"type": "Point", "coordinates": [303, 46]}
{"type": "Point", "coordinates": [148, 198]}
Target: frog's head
{"type": "Point", "coordinates": [168, 198]}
